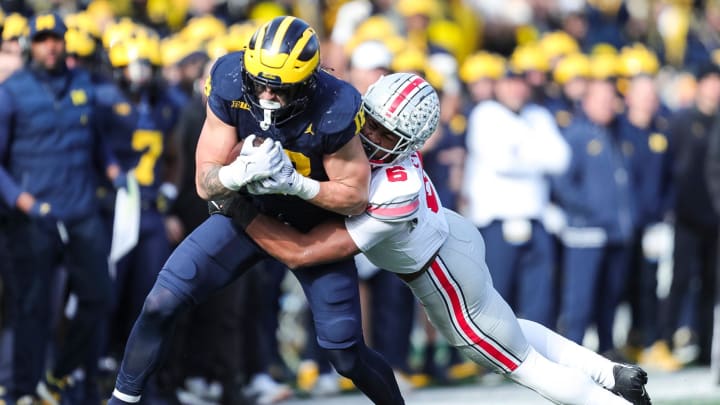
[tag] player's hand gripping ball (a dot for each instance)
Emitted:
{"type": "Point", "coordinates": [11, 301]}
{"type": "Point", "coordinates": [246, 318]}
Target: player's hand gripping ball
{"type": "Point", "coordinates": [235, 152]}
{"type": "Point", "coordinates": [252, 163]}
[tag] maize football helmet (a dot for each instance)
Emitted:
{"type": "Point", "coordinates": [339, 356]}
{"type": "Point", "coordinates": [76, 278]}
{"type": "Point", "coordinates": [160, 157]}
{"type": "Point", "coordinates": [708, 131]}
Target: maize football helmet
{"type": "Point", "coordinates": [283, 55]}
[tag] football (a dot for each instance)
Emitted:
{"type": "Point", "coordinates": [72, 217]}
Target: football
{"type": "Point", "coordinates": [235, 152]}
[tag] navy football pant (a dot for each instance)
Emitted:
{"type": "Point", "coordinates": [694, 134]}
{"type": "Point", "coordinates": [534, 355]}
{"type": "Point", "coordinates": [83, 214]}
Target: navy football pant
{"type": "Point", "coordinates": [214, 255]}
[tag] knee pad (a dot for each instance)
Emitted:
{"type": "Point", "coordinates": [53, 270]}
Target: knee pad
{"type": "Point", "coordinates": [337, 334]}
{"type": "Point", "coordinates": [161, 303]}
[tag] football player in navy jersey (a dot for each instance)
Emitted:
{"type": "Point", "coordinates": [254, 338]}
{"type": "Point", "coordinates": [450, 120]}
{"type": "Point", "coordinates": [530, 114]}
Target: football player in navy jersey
{"type": "Point", "coordinates": [136, 115]}
{"type": "Point", "coordinates": [275, 90]}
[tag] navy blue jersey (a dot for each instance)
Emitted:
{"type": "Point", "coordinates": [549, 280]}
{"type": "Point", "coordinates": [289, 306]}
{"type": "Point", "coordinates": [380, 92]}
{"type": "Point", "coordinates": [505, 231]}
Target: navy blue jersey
{"type": "Point", "coordinates": [137, 132]}
{"type": "Point", "coordinates": [332, 118]}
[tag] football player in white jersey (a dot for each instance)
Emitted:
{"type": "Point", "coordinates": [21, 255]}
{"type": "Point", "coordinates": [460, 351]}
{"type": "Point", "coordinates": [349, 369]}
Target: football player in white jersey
{"type": "Point", "coordinates": [439, 254]}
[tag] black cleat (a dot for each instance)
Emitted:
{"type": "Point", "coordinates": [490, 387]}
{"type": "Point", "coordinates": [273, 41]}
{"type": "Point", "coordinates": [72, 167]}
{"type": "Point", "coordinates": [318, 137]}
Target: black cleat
{"type": "Point", "coordinates": [630, 383]}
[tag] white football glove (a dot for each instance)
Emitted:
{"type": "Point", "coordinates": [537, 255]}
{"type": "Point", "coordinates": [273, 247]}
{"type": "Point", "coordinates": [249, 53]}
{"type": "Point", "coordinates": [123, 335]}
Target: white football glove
{"type": "Point", "coordinates": [286, 181]}
{"type": "Point", "coordinates": [253, 163]}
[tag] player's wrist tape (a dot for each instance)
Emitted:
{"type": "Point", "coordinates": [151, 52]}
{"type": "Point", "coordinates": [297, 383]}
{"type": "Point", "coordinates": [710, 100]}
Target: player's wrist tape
{"type": "Point", "coordinates": [309, 188]}
{"type": "Point", "coordinates": [240, 210]}
{"type": "Point", "coordinates": [225, 175]}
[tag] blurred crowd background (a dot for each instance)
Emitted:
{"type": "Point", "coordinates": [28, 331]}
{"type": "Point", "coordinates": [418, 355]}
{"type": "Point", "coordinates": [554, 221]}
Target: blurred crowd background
{"type": "Point", "coordinates": [580, 137]}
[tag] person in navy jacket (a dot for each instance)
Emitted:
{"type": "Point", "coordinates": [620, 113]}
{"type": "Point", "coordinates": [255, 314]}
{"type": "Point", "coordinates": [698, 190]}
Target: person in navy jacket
{"type": "Point", "coordinates": [642, 129]}
{"type": "Point", "coordinates": [49, 151]}
{"type": "Point", "coordinates": [688, 313]}
{"type": "Point", "coordinates": [596, 195]}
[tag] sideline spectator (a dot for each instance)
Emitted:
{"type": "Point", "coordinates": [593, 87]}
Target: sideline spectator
{"type": "Point", "coordinates": [512, 146]}
{"type": "Point", "coordinates": [48, 148]}
{"type": "Point", "coordinates": [596, 196]}
{"type": "Point", "coordinates": [689, 303]}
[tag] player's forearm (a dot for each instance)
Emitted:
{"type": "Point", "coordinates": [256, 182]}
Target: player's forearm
{"type": "Point", "coordinates": [208, 184]}
{"type": "Point", "coordinates": [325, 243]}
{"type": "Point", "coordinates": [280, 241]}
{"type": "Point", "coordinates": [342, 198]}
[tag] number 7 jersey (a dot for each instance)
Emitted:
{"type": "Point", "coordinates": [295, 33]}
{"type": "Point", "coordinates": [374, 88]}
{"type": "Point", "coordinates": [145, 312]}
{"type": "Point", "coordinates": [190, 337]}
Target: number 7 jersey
{"type": "Point", "coordinates": [404, 224]}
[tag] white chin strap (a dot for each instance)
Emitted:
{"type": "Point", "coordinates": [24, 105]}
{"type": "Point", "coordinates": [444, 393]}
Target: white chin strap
{"type": "Point", "coordinates": [268, 107]}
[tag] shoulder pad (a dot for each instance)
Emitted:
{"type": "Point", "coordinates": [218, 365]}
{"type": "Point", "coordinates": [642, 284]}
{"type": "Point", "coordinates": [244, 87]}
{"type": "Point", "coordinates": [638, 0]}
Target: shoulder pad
{"type": "Point", "coordinates": [338, 104]}
{"type": "Point", "coordinates": [394, 194]}
{"type": "Point", "coordinates": [226, 77]}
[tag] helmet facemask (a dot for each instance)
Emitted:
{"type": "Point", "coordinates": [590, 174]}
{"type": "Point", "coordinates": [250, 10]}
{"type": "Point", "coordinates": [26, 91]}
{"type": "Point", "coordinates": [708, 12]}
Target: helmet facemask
{"type": "Point", "coordinates": [295, 97]}
{"type": "Point", "coordinates": [379, 155]}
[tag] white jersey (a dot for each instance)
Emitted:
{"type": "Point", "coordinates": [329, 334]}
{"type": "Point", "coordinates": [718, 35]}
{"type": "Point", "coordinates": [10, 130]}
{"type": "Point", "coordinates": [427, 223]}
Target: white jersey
{"type": "Point", "coordinates": [404, 225]}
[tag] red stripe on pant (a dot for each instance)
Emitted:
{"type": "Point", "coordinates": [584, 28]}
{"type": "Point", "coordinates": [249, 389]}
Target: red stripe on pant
{"type": "Point", "coordinates": [464, 324]}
